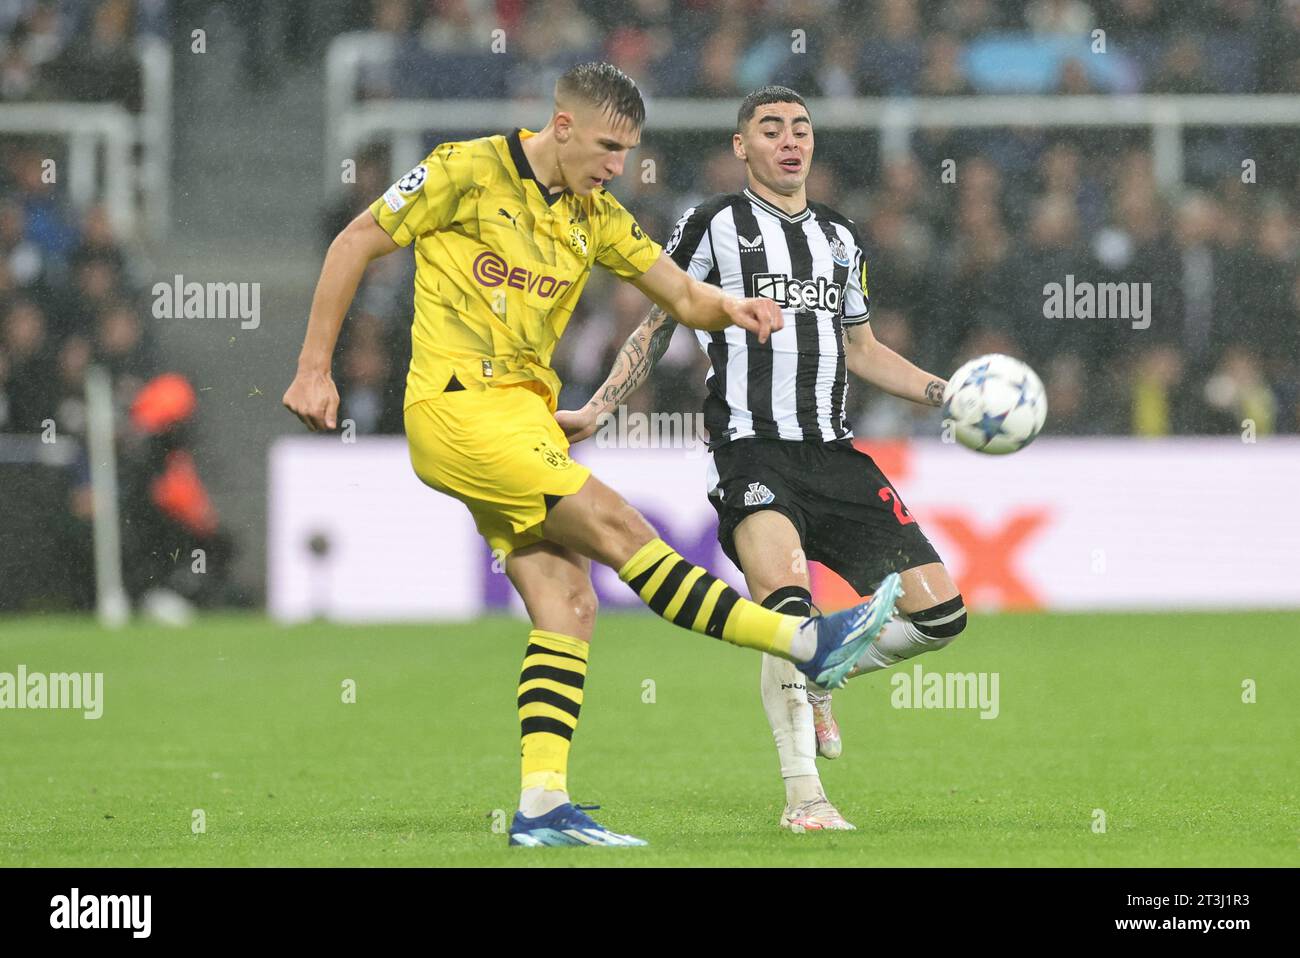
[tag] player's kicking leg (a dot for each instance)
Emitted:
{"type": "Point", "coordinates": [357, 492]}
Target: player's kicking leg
{"type": "Point", "coordinates": [771, 556]}
{"type": "Point", "coordinates": [555, 584]}
{"type": "Point", "coordinates": [599, 523]}
{"type": "Point", "coordinates": [931, 615]}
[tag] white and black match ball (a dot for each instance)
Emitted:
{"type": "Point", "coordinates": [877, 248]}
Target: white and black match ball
{"type": "Point", "coordinates": [996, 404]}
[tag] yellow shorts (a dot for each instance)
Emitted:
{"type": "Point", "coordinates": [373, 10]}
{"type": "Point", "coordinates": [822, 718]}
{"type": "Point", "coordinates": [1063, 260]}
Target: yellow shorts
{"type": "Point", "coordinates": [499, 451]}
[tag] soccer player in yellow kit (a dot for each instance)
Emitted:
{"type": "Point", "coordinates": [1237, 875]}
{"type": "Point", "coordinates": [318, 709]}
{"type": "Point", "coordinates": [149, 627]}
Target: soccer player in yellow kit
{"type": "Point", "coordinates": [506, 230]}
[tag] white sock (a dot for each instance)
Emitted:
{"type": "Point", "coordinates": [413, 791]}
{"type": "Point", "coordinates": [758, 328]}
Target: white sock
{"type": "Point", "coordinates": [785, 700]}
{"type": "Point", "coordinates": [804, 644]}
{"type": "Point", "coordinates": [900, 639]}
{"type": "Point", "coordinates": [539, 801]}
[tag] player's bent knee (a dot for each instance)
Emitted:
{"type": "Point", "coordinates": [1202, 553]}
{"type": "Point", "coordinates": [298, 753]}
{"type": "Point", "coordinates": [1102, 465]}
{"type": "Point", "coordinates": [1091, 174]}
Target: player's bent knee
{"type": "Point", "coordinates": [941, 623]}
{"type": "Point", "coordinates": [583, 605]}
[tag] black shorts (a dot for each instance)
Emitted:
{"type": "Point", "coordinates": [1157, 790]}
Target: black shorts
{"type": "Point", "coordinates": [848, 515]}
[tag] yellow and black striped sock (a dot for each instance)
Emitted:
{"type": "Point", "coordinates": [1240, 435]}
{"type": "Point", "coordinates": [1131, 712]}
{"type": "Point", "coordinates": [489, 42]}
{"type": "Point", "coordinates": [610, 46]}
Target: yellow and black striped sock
{"type": "Point", "coordinates": [688, 596]}
{"type": "Point", "coordinates": [550, 697]}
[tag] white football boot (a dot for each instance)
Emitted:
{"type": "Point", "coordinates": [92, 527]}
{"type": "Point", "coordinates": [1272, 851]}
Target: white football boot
{"type": "Point", "coordinates": [824, 724]}
{"type": "Point", "coordinates": [814, 815]}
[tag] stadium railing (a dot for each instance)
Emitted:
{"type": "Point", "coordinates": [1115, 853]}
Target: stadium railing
{"type": "Point", "coordinates": [135, 185]}
{"type": "Point", "coordinates": [402, 123]}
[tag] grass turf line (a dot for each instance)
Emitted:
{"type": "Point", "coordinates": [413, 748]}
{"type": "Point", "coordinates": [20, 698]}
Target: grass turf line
{"type": "Point", "coordinates": [1140, 716]}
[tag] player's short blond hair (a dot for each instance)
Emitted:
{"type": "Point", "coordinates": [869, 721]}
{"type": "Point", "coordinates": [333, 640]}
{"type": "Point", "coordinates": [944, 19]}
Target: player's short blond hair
{"type": "Point", "coordinates": [604, 86]}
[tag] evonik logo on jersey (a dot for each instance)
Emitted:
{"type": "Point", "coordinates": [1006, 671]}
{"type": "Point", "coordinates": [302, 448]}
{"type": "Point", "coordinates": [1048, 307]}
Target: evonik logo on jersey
{"type": "Point", "coordinates": [492, 270]}
{"type": "Point", "coordinates": [791, 293]}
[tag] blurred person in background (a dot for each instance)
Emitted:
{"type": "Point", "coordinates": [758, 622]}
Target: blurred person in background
{"type": "Point", "coordinates": [26, 262]}
{"type": "Point", "coordinates": [1059, 17]}
{"type": "Point", "coordinates": [377, 76]}
{"type": "Point", "coordinates": [1054, 252]}
{"type": "Point", "coordinates": [943, 74]}
{"type": "Point", "coordinates": [365, 376]}
{"type": "Point", "coordinates": [974, 276]}
{"type": "Point", "coordinates": [556, 35]}
{"type": "Point", "coordinates": [1236, 396]}
{"type": "Point", "coordinates": [1159, 399]}
{"type": "Point", "coordinates": [892, 52]}
{"type": "Point", "coordinates": [1066, 380]}
{"type": "Point", "coordinates": [167, 512]}
{"type": "Point", "coordinates": [100, 62]}
{"type": "Point", "coordinates": [1206, 295]}
{"type": "Point", "coordinates": [27, 368]}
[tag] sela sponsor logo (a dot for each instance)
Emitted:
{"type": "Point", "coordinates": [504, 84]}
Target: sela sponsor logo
{"type": "Point", "coordinates": [75, 910]}
{"type": "Point", "coordinates": [1085, 300]}
{"type": "Point", "coordinates": [758, 495]}
{"type": "Point", "coordinates": [946, 690]}
{"type": "Point", "coordinates": [491, 270]}
{"type": "Point", "coordinates": [83, 691]}
{"type": "Point", "coordinates": [181, 300]}
{"type": "Point", "coordinates": [819, 293]}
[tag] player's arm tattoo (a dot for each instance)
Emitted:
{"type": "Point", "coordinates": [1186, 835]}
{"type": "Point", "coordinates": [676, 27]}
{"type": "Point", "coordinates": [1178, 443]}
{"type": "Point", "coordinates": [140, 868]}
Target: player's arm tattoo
{"type": "Point", "coordinates": [934, 392]}
{"type": "Point", "coordinates": [636, 359]}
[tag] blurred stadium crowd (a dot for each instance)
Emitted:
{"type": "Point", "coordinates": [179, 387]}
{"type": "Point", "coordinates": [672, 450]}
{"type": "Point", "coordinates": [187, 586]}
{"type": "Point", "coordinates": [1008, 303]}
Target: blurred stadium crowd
{"type": "Point", "coordinates": [956, 268]}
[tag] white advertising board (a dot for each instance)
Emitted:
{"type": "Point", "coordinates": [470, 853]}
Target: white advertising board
{"type": "Point", "coordinates": [1068, 524]}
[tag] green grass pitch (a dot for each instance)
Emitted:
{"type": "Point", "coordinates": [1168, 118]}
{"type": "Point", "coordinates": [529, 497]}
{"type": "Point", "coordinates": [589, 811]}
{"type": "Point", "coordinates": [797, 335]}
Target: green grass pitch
{"type": "Point", "coordinates": [1140, 716]}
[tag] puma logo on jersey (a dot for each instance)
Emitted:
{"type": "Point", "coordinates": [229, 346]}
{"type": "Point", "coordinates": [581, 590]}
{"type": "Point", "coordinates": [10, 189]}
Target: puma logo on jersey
{"type": "Point", "coordinates": [509, 217]}
{"type": "Point", "coordinates": [758, 495]}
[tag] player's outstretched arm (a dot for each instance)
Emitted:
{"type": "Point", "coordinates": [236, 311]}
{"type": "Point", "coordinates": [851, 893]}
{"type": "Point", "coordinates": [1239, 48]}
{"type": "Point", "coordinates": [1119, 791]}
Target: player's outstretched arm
{"type": "Point", "coordinates": [312, 396]}
{"type": "Point", "coordinates": [647, 344]}
{"type": "Point", "coordinates": [872, 361]}
{"type": "Point", "coordinates": [701, 306]}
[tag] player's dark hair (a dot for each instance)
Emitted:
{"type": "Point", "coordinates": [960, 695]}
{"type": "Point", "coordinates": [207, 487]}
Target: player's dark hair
{"type": "Point", "coordinates": [606, 86]}
{"type": "Point", "coordinates": [762, 96]}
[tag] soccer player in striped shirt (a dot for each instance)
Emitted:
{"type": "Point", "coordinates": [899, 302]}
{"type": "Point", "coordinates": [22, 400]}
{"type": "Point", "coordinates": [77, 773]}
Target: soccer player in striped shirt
{"type": "Point", "coordinates": [783, 474]}
{"type": "Point", "coordinates": [506, 230]}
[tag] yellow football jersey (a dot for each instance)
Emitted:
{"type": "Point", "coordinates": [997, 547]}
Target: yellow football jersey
{"type": "Point", "coordinates": [499, 263]}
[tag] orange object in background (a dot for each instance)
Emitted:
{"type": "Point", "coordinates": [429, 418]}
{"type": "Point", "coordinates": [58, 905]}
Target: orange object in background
{"type": "Point", "coordinates": [893, 456]}
{"type": "Point", "coordinates": [163, 402]}
{"type": "Point", "coordinates": [831, 593]}
{"type": "Point", "coordinates": [181, 496]}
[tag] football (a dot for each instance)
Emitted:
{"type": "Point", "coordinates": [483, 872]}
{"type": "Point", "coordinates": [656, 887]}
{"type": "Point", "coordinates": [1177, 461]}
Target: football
{"type": "Point", "coordinates": [996, 404]}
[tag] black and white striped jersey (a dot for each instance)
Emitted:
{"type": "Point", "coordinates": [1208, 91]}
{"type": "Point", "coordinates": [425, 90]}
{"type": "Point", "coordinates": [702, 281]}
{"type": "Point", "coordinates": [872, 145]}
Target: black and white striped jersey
{"type": "Point", "coordinates": [812, 264]}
